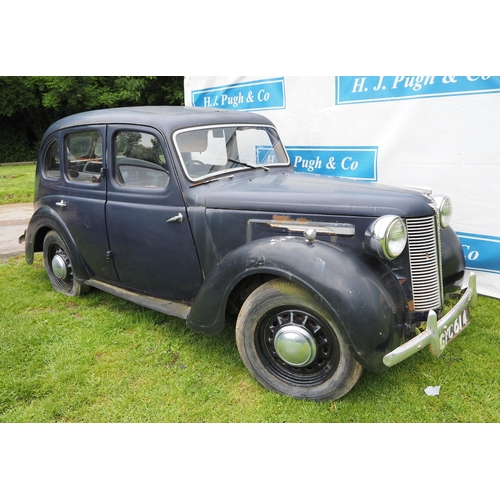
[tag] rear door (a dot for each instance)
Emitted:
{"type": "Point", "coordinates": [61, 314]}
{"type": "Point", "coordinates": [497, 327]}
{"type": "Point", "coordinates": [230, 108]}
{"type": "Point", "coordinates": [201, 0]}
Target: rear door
{"type": "Point", "coordinates": [78, 193]}
{"type": "Point", "coordinates": [149, 233]}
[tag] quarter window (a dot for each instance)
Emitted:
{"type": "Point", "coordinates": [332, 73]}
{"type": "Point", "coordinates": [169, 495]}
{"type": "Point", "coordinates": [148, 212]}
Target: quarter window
{"type": "Point", "coordinates": [52, 161]}
{"type": "Point", "coordinates": [84, 156]}
{"type": "Point", "coordinates": [139, 160]}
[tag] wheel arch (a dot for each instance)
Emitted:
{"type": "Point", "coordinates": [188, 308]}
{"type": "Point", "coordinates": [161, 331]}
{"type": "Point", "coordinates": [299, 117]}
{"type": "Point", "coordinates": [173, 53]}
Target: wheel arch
{"type": "Point", "coordinates": [41, 223]}
{"type": "Point", "coordinates": [363, 297]}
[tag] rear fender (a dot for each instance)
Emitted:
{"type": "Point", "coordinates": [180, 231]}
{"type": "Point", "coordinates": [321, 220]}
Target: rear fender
{"type": "Point", "coordinates": [364, 298]}
{"type": "Point", "coordinates": [42, 221]}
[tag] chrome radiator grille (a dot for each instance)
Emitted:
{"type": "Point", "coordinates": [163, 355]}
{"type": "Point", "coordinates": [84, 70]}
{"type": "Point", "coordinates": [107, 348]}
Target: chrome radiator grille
{"type": "Point", "coordinates": [425, 263]}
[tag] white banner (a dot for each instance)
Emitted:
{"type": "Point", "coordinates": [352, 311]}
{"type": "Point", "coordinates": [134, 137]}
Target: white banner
{"type": "Point", "coordinates": [439, 132]}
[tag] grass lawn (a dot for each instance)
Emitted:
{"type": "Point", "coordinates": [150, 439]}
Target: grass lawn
{"type": "Point", "coordinates": [98, 358]}
{"type": "Point", "coordinates": [16, 184]}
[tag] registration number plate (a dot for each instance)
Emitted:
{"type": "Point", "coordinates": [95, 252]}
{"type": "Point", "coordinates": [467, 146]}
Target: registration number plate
{"type": "Point", "coordinates": [454, 327]}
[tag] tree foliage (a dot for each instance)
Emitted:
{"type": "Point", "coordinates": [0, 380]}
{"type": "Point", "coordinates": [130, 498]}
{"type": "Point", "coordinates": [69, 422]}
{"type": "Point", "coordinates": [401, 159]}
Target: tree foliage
{"type": "Point", "coordinates": [29, 104]}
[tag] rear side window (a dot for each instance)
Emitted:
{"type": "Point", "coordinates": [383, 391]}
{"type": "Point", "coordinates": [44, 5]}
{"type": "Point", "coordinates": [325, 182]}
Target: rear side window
{"type": "Point", "coordinates": [139, 160]}
{"type": "Point", "coordinates": [52, 161]}
{"type": "Point", "coordinates": [84, 156]}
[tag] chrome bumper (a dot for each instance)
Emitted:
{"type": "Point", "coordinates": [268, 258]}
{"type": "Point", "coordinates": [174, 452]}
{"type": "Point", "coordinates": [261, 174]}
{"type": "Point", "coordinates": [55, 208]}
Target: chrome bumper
{"type": "Point", "coordinates": [438, 334]}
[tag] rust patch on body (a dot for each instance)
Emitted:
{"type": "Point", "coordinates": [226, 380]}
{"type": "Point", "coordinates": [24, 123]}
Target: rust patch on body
{"type": "Point", "coordinates": [287, 218]}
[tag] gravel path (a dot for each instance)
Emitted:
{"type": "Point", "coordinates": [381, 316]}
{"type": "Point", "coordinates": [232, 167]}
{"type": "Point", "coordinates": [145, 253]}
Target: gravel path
{"type": "Point", "coordinates": [13, 221]}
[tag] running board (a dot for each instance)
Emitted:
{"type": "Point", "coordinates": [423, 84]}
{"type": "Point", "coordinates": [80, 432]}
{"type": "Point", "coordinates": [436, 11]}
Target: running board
{"type": "Point", "coordinates": [177, 309]}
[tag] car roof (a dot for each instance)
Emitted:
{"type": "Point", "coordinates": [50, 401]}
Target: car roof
{"type": "Point", "coordinates": [166, 118]}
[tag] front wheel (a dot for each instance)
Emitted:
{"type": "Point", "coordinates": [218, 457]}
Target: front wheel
{"type": "Point", "coordinates": [59, 266]}
{"type": "Point", "coordinates": [289, 343]}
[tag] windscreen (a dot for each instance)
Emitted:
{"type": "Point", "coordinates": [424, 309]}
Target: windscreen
{"type": "Point", "coordinates": [213, 150]}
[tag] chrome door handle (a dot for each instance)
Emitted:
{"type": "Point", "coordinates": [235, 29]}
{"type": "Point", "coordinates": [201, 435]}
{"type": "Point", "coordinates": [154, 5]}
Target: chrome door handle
{"type": "Point", "coordinates": [177, 218]}
{"type": "Point", "coordinates": [61, 203]}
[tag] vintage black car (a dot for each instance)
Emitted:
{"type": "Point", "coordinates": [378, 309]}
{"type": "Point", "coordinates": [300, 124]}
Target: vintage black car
{"type": "Point", "coordinates": [198, 212]}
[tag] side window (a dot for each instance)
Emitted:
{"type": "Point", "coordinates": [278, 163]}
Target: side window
{"type": "Point", "coordinates": [84, 156]}
{"type": "Point", "coordinates": [52, 161]}
{"type": "Point", "coordinates": [139, 160]}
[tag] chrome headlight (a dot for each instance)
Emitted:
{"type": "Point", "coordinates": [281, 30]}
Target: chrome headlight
{"type": "Point", "coordinates": [444, 210]}
{"type": "Point", "coordinates": [387, 236]}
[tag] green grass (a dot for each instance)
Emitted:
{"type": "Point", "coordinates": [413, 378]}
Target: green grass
{"type": "Point", "coordinates": [100, 359]}
{"type": "Point", "coordinates": [16, 184]}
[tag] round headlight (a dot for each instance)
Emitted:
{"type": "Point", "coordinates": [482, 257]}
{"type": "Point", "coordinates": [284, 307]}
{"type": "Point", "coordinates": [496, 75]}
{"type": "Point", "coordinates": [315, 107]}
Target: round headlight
{"type": "Point", "coordinates": [387, 236]}
{"type": "Point", "coordinates": [444, 210]}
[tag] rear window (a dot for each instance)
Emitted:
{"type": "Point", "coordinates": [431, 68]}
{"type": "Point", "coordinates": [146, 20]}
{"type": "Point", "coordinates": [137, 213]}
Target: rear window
{"type": "Point", "coordinates": [84, 156]}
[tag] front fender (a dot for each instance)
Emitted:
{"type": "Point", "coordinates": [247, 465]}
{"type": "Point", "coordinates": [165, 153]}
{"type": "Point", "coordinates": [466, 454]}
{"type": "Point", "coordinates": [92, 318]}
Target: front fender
{"type": "Point", "coordinates": [363, 296]}
{"type": "Point", "coordinates": [42, 221]}
{"type": "Point", "coordinates": [453, 261]}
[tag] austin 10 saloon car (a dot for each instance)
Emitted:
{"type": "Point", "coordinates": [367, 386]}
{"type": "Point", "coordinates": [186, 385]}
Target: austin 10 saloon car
{"type": "Point", "coordinates": [198, 213]}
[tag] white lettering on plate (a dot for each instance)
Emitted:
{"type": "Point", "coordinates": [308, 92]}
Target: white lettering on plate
{"type": "Point", "coordinates": [454, 329]}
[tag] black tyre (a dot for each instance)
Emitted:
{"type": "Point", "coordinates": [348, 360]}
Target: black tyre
{"type": "Point", "coordinates": [59, 266]}
{"type": "Point", "coordinates": [290, 344]}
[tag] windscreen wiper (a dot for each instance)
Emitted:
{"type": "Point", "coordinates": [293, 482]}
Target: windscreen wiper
{"type": "Point", "coordinates": [248, 165]}
{"type": "Point", "coordinates": [212, 179]}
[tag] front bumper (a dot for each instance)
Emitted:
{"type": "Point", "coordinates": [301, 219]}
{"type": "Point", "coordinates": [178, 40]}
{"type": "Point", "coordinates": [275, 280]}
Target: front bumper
{"type": "Point", "coordinates": [439, 334]}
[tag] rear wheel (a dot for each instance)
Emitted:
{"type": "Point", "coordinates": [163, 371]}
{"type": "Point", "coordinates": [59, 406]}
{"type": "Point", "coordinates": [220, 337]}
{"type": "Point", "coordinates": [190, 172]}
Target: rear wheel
{"type": "Point", "coordinates": [290, 344]}
{"type": "Point", "coordinates": [59, 266]}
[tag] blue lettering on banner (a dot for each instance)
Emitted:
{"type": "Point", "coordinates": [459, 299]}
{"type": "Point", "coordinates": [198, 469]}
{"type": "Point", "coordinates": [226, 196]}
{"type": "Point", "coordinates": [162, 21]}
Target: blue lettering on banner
{"type": "Point", "coordinates": [352, 162]}
{"type": "Point", "coordinates": [359, 89]}
{"type": "Point", "coordinates": [250, 96]}
{"type": "Point", "coordinates": [482, 253]}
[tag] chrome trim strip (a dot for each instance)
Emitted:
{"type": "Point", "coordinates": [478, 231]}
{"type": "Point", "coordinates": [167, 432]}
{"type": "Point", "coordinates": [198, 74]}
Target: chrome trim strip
{"type": "Point", "coordinates": [337, 229]}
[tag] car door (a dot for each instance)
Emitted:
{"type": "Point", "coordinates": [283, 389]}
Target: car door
{"type": "Point", "coordinates": [149, 233]}
{"type": "Point", "coordinates": [78, 193]}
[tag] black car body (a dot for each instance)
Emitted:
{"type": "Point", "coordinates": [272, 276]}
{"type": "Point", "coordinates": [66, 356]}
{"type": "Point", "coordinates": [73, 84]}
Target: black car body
{"type": "Point", "coordinates": [194, 212]}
